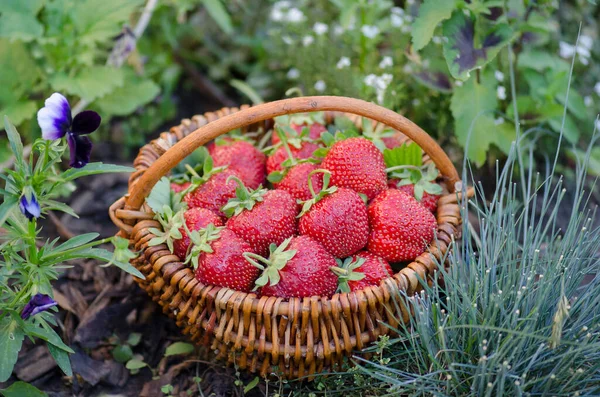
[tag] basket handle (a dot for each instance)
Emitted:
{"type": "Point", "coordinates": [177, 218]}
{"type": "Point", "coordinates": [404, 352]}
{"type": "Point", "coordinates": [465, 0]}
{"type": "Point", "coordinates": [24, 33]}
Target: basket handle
{"type": "Point", "coordinates": [212, 130]}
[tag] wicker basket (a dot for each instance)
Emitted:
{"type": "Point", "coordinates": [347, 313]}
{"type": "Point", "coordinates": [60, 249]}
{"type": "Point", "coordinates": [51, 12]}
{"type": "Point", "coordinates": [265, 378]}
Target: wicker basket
{"type": "Point", "coordinates": [292, 337]}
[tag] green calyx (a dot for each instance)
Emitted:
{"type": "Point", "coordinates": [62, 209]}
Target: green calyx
{"type": "Point", "coordinates": [208, 170]}
{"type": "Point", "coordinates": [278, 258]}
{"type": "Point", "coordinates": [200, 242]}
{"type": "Point", "coordinates": [423, 178]}
{"type": "Point", "coordinates": [171, 222]}
{"type": "Point", "coordinates": [244, 199]}
{"type": "Point", "coordinates": [302, 118]}
{"type": "Point", "coordinates": [377, 133]}
{"type": "Point", "coordinates": [346, 271]}
{"type": "Point", "coordinates": [316, 197]}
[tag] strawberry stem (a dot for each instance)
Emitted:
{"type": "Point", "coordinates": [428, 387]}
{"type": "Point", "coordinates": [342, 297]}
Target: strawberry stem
{"type": "Point", "coordinates": [316, 197]}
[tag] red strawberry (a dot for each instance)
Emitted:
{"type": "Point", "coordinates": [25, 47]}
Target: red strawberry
{"type": "Point", "coordinates": [315, 131]}
{"type": "Point", "coordinates": [299, 267]}
{"type": "Point", "coordinates": [243, 158]}
{"type": "Point", "coordinates": [356, 163]}
{"type": "Point", "coordinates": [262, 217]}
{"type": "Point", "coordinates": [362, 270]}
{"type": "Point", "coordinates": [305, 151]}
{"type": "Point", "coordinates": [401, 228]}
{"type": "Point", "coordinates": [295, 181]}
{"type": "Point", "coordinates": [195, 219]}
{"type": "Point", "coordinates": [392, 141]}
{"type": "Point", "coordinates": [214, 193]}
{"type": "Point", "coordinates": [337, 218]}
{"type": "Point", "coordinates": [179, 187]}
{"type": "Point", "coordinates": [218, 254]}
{"type": "Point", "coordinates": [428, 200]}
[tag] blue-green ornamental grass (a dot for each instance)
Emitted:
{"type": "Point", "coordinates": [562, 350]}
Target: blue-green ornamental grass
{"type": "Point", "coordinates": [28, 264]}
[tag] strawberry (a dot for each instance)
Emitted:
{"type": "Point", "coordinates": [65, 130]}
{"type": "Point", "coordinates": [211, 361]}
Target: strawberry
{"type": "Point", "coordinates": [315, 131]}
{"type": "Point", "coordinates": [179, 187]}
{"type": "Point", "coordinates": [304, 151]}
{"type": "Point", "coordinates": [335, 217]}
{"type": "Point", "coordinates": [417, 182]}
{"type": "Point", "coordinates": [299, 267]}
{"type": "Point", "coordinates": [393, 141]}
{"type": "Point", "coordinates": [214, 193]}
{"type": "Point", "coordinates": [262, 217]}
{"type": "Point", "coordinates": [243, 158]}
{"type": "Point", "coordinates": [195, 219]}
{"type": "Point", "coordinates": [361, 270]}
{"type": "Point", "coordinates": [401, 228]}
{"type": "Point", "coordinates": [357, 164]}
{"type": "Point", "coordinates": [218, 256]}
{"type": "Point", "coordinates": [295, 181]}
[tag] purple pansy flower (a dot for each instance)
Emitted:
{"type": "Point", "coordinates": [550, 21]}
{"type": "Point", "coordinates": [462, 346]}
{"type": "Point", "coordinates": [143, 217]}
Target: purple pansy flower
{"type": "Point", "coordinates": [37, 304]}
{"type": "Point", "coordinates": [55, 121]}
{"type": "Point", "coordinates": [29, 206]}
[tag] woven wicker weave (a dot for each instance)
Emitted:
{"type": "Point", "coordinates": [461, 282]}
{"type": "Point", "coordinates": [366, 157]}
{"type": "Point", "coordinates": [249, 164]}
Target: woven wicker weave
{"type": "Point", "coordinates": [292, 337]}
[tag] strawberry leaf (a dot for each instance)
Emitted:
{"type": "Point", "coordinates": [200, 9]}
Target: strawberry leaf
{"type": "Point", "coordinates": [244, 199]}
{"type": "Point", "coordinates": [407, 154]}
{"type": "Point", "coordinates": [431, 13]}
{"type": "Point", "coordinates": [160, 195]}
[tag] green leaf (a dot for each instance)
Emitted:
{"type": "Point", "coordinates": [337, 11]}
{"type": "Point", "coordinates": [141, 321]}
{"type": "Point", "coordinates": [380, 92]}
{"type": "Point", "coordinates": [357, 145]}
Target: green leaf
{"type": "Point", "coordinates": [219, 13]}
{"type": "Point", "coordinates": [94, 169]}
{"type": "Point", "coordinates": [10, 202]}
{"type": "Point", "coordinates": [18, 19]}
{"type": "Point", "coordinates": [122, 353]}
{"type": "Point", "coordinates": [160, 195]}
{"type": "Point", "coordinates": [473, 105]}
{"type": "Point", "coordinates": [252, 384]}
{"type": "Point", "coordinates": [126, 99]}
{"type": "Point", "coordinates": [19, 111]}
{"type": "Point", "coordinates": [570, 130]}
{"type": "Point", "coordinates": [135, 363]}
{"type": "Point", "coordinates": [431, 13]}
{"type": "Point", "coordinates": [108, 257]}
{"type": "Point", "coordinates": [48, 334]}
{"type": "Point", "coordinates": [62, 359]}
{"type": "Point", "coordinates": [540, 61]}
{"type": "Point", "coordinates": [75, 242]}
{"type": "Point", "coordinates": [178, 348]}
{"type": "Point", "coordinates": [461, 52]}
{"type": "Point", "coordinates": [20, 73]}
{"type": "Point", "coordinates": [410, 154]}
{"type": "Point", "coordinates": [245, 89]}
{"type": "Point", "coordinates": [50, 205]}
{"type": "Point", "coordinates": [11, 339]}
{"type": "Point", "coordinates": [22, 389]}
{"type": "Point", "coordinates": [593, 165]}
{"type": "Point", "coordinates": [134, 338]}
{"type": "Point", "coordinates": [89, 83]}
{"type": "Point", "coordinates": [98, 20]}
{"type": "Point", "coordinates": [16, 145]}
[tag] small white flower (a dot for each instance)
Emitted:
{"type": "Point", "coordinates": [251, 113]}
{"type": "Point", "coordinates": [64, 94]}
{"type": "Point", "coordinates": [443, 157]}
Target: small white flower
{"type": "Point", "coordinates": [396, 20]}
{"type": "Point", "coordinates": [410, 2]}
{"type": "Point", "coordinates": [370, 80]}
{"type": "Point", "coordinates": [294, 15]}
{"type": "Point", "coordinates": [307, 40]}
{"type": "Point", "coordinates": [370, 31]}
{"type": "Point", "coordinates": [501, 92]}
{"type": "Point", "coordinates": [385, 80]}
{"type": "Point", "coordinates": [588, 101]}
{"type": "Point", "coordinates": [386, 62]}
{"type": "Point", "coordinates": [416, 102]}
{"type": "Point", "coordinates": [586, 42]}
{"type": "Point", "coordinates": [343, 62]}
{"type": "Point", "coordinates": [437, 40]}
{"type": "Point", "coordinates": [287, 40]}
{"type": "Point", "coordinates": [320, 86]}
{"type": "Point", "coordinates": [499, 75]}
{"type": "Point", "coordinates": [277, 15]}
{"type": "Point", "coordinates": [597, 88]}
{"type": "Point", "coordinates": [397, 11]}
{"type": "Point", "coordinates": [293, 74]}
{"type": "Point", "coordinates": [320, 28]}
{"type": "Point", "coordinates": [499, 121]}
{"type": "Point", "coordinates": [566, 50]}
{"type": "Point", "coordinates": [338, 30]}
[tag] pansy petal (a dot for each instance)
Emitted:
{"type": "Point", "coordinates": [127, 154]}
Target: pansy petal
{"type": "Point", "coordinates": [86, 122]}
{"type": "Point", "coordinates": [80, 148]}
{"type": "Point", "coordinates": [55, 117]}
{"type": "Point", "coordinates": [37, 304]}
{"type": "Point", "coordinates": [30, 208]}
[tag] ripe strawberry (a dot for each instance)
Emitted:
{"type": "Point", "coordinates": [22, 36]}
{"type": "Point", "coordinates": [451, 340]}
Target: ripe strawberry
{"type": "Point", "coordinates": [299, 267]}
{"type": "Point", "coordinates": [262, 217]}
{"type": "Point", "coordinates": [218, 255]}
{"type": "Point", "coordinates": [295, 181]}
{"type": "Point", "coordinates": [356, 163]}
{"type": "Point", "coordinates": [179, 187]}
{"type": "Point", "coordinates": [195, 219]}
{"type": "Point", "coordinates": [337, 218]}
{"type": "Point", "coordinates": [214, 193]}
{"type": "Point", "coordinates": [305, 151]}
{"type": "Point", "coordinates": [401, 228]}
{"type": "Point", "coordinates": [392, 141]}
{"type": "Point", "coordinates": [418, 182]}
{"type": "Point", "coordinates": [315, 131]}
{"type": "Point", "coordinates": [243, 158]}
{"type": "Point", "coordinates": [361, 270]}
